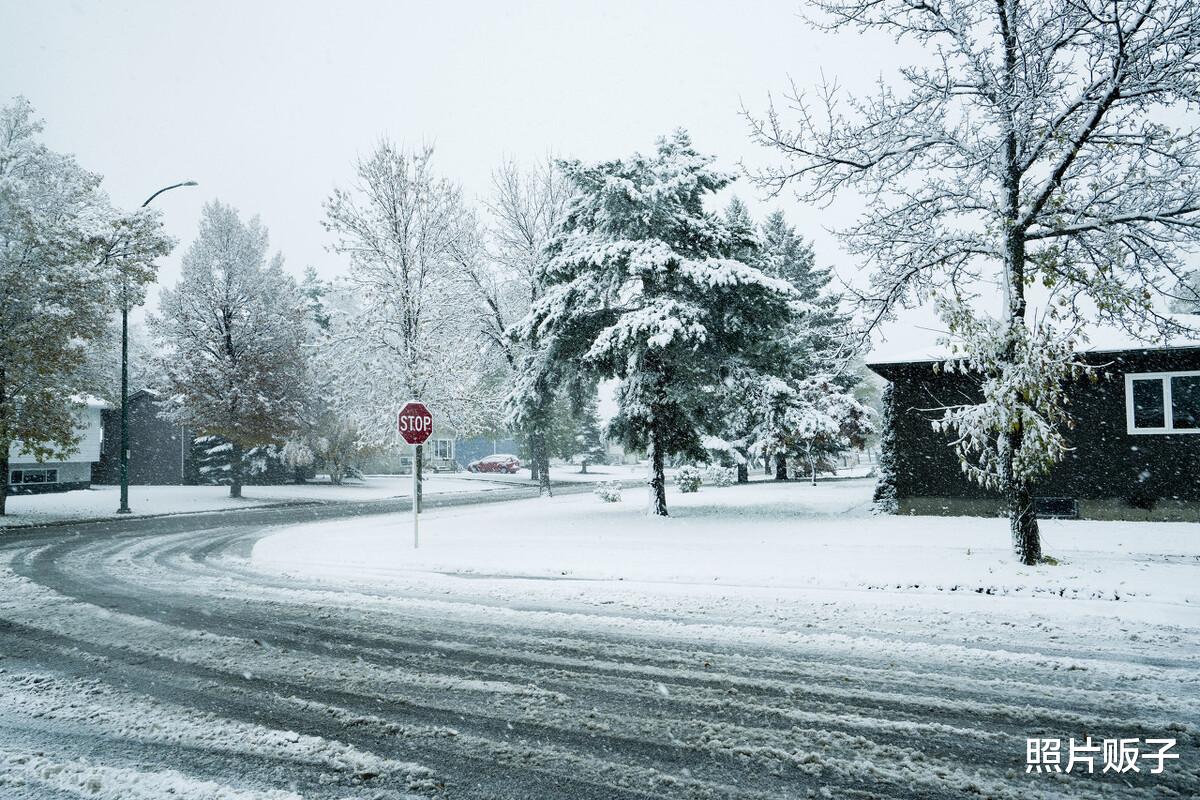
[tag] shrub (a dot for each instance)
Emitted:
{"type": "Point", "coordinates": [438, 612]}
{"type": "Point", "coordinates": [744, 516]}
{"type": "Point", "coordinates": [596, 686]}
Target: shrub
{"type": "Point", "coordinates": [608, 491]}
{"type": "Point", "coordinates": [720, 476]}
{"type": "Point", "coordinates": [688, 480]}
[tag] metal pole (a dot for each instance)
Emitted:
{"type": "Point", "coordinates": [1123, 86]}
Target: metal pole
{"type": "Point", "coordinates": [416, 516]}
{"type": "Point", "coordinates": [124, 509]}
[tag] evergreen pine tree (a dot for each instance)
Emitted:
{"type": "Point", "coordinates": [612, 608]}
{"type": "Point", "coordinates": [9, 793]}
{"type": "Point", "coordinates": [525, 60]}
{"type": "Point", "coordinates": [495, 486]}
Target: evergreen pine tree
{"type": "Point", "coordinates": [642, 286]}
{"type": "Point", "coordinates": [589, 442]}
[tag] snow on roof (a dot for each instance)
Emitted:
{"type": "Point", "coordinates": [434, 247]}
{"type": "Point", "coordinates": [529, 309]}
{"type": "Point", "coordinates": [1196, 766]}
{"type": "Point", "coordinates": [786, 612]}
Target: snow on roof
{"type": "Point", "coordinates": [91, 401]}
{"type": "Point", "coordinates": [1100, 339]}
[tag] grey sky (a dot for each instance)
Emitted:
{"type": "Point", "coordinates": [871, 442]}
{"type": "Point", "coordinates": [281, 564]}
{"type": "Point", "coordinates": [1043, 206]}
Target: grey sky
{"type": "Point", "coordinates": [266, 104]}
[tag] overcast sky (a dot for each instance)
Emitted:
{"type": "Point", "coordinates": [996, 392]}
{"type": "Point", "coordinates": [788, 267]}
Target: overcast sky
{"type": "Point", "coordinates": [266, 104]}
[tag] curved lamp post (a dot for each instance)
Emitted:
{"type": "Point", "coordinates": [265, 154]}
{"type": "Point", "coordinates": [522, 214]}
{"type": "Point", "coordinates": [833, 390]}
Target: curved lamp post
{"type": "Point", "coordinates": [124, 509]}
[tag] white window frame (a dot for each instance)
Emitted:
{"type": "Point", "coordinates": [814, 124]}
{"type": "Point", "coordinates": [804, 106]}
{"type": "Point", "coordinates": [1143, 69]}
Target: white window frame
{"type": "Point", "coordinates": [437, 446]}
{"type": "Point", "coordinates": [1168, 411]}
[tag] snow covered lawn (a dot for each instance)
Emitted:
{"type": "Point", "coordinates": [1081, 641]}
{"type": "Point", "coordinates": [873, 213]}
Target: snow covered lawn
{"type": "Point", "coordinates": [102, 501]}
{"type": "Point", "coordinates": [765, 535]}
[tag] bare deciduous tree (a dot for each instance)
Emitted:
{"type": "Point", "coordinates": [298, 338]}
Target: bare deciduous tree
{"type": "Point", "coordinates": [408, 335]}
{"type": "Point", "coordinates": [525, 209]}
{"type": "Point", "coordinates": [1035, 148]}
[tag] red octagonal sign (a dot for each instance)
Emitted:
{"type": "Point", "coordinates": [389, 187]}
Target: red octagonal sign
{"type": "Point", "coordinates": [416, 423]}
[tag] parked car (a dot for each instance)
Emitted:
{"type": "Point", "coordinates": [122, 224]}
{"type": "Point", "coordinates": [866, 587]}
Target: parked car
{"type": "Point", "coordinates": [501, 462]}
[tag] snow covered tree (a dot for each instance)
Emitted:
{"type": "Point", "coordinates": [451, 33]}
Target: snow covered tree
{"type": "Point", "coordinates": [589, 446]}
{"type": "Point", "coordinates": [525, 209]}
{"type": "Point", "coordinates": [823, 341]}
{"type": "Point", "coordinates": [326, 432]}
{"type": "Point", "coordinates": [772, 405]}
{"type": "Point", "coordinates": [407, 333]}
{"type": "Point", "coordinates": [810, 420]}
{"type": "Point", "coordinates": [62, 246]}
{"type": "Point", "coordinates": [886, 499]}
{"type": "Point", "coordinates": [773, 421]}
{"type": "Point", "coordinates": [830, 422]}
{"type": "Point", "coordinates": [314, 291]}
{"type": "Point", "coordinates": [1035, 149]}
{"type": "Point", "coordinates": [232, 334]}
{"type": "Point", "coordinates": [641, 287]}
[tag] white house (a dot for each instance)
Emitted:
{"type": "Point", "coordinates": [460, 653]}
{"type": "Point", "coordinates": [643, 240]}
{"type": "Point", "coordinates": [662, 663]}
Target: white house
{"type": "Point", "coordinates": [27, 474]}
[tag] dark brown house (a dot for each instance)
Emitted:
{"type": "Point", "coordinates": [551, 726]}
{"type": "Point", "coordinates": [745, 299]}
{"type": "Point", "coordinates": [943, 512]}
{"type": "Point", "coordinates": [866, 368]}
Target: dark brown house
{"type": "Point", "coordinates": [1135, 446]}
{"type": "Point", "coordinates": [159, 452]}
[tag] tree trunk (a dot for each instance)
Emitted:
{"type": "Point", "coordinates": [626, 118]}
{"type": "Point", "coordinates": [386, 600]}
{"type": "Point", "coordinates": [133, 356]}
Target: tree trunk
{"type": "Point", "coordinates": [1023, 522]}
{"type": "Point", "coordinates": [544, 489]}
{"type": "Point", "coordinates": [812, 466]}
{"type": "Point", "coordinates": [658, 480]}
{"type": "Point", "coordinates": [743, 472]}
{"type": "Point", "coordinates": [781, 468]}
{"type": "Point", "coordinates": [535, 457]}
{"type": "Point", "coordinates": [583, 467]}
{"type": "Point", "coordinates": [418, 457]}
{"type": "Point", "coordinates": [235, 470]}
{"type": "Point", "coordinates": [1026, 539]}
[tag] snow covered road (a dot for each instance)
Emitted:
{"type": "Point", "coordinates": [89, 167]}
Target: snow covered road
{"type": "Point", "coordinates": [156, 658]}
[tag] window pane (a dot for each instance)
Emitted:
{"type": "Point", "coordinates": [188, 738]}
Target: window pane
{"type": "Point", "coordinates": [1185, 401]}
{"type": "Point", "coordinates": [1148, 409]}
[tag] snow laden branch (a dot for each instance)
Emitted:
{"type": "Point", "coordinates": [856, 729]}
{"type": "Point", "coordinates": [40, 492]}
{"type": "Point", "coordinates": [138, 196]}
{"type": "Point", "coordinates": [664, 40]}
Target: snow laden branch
{"type": "Point", "coordinates": [1046, 121]}
{"type": "Point", "coordinates": [1041, 145]}
{"type": "Point", "coordinates": [1026, 387]}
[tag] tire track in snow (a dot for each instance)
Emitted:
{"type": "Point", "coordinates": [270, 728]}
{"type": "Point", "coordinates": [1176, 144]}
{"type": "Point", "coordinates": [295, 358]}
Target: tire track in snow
{"type": "Point", "coordinates": [171, 602]}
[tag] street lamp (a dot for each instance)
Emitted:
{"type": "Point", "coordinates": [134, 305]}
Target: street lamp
{"type": "Point", "coordinates": [124, 509]}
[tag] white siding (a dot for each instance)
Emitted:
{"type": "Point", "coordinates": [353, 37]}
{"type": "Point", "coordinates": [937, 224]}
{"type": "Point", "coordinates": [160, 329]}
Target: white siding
{"type": "Point", "coordinates": [90, 431]}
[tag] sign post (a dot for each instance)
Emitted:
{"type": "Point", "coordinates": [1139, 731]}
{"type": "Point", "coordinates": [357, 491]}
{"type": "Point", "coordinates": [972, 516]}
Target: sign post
{"type": "Point", "coordinates": [416, 426]}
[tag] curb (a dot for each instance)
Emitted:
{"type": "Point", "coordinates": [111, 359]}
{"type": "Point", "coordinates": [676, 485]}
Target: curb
{"type": "Point", "coordinates": [114, 517]}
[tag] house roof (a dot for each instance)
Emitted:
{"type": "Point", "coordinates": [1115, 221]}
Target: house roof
{"type": "Point", "coordinates": [91, 401]}
{"type": "Point", "coordinates": [1100, 339]}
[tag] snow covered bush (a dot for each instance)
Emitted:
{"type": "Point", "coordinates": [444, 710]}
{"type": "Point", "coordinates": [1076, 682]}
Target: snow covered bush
{"type": "Point", "coordinates": [688, 480]}
{"type": "Point", "coordinates": [608, 491]}
{"type": "Point", "coordinates": [885, 499]}
{"type": "Point", "coordinates": [720, 476]}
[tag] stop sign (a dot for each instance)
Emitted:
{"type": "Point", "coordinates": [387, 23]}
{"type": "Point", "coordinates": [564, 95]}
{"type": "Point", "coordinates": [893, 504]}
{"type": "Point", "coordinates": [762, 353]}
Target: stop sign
{"type": "Point", "coordinates": [416, 423]}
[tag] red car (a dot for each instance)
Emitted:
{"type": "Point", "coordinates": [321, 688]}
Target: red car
{"type": "Point", "coordinates": [502, 462]}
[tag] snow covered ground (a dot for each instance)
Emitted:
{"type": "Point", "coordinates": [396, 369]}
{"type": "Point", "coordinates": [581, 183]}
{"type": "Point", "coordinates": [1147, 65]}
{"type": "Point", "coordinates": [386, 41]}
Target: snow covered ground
{"type": "Point", "coordinates": [102, 501]}
{"type": "Point", "coordinates": [744, 649]}
{"type": "Point", "coordinates": [766, 535]}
